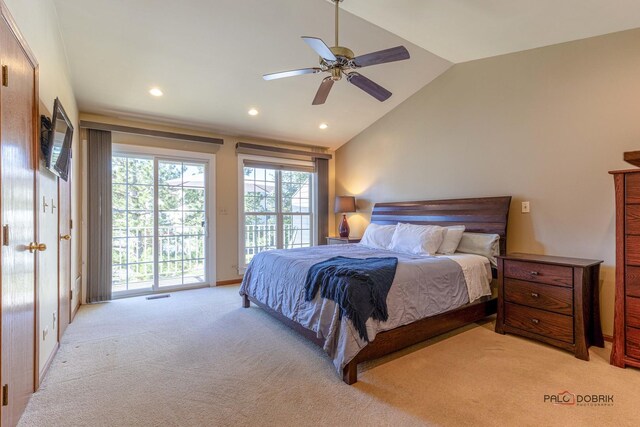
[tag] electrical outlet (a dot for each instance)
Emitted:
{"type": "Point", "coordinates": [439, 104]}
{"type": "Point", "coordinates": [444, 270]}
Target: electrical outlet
{"type": "Point", "coordinates": [525, 207]}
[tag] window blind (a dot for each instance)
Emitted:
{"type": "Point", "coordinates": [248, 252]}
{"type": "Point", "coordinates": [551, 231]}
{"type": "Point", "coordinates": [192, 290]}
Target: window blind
{"type": "Point", "coordinates": [284, 153]}
{"type": "Point", "coordinates": [99, 219]}
{"type": "Point", "coordinates": [277, 166]}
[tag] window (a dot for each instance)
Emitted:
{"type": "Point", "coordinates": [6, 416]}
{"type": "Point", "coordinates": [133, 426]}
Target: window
{"type": "Point", "coordinates": [277, 209]}
{"type": "Point", "coordinates": [160, 237]}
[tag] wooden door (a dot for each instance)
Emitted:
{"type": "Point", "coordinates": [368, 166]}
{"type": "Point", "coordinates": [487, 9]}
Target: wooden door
{"type": "Point", "coordinates": [18, 93]}
{"type": "Point", "coordinates": [64, 254]}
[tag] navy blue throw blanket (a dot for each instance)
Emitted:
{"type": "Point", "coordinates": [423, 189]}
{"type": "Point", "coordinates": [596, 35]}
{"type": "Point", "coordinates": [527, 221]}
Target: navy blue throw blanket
{"type": "Point", "coordinates": [358, 286]}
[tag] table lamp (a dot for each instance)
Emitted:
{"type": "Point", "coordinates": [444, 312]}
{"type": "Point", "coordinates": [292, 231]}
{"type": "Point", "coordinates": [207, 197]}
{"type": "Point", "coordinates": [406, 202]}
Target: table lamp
{"type": "Point", "coordinates": [343, 205]}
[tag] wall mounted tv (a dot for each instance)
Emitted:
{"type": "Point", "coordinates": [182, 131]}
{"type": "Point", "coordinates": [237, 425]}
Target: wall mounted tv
{"type": "Point", "coordinates": [57, 148]}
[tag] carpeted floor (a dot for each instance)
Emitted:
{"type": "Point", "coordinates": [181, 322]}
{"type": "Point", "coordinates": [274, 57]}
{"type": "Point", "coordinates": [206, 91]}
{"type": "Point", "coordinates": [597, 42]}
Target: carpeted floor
{"type": "Point", "coordinates": [197, 358]}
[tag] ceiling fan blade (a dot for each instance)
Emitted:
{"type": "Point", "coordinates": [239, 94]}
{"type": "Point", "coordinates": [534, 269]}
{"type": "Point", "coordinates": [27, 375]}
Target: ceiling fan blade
{"type": "Point", "coordinates": [399, 53]}
{"type": "Point", "coordinates": [323, 91]}
{"type": "Point", "coordinates": [372, 88]}
{"type": "Point", "coordinates": [320, 47]}
{"type": "Point", "coordinates": [291, 73]}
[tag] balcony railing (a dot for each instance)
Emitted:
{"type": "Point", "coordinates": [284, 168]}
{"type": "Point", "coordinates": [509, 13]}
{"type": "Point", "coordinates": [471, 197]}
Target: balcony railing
{"type": "Point", "coordinates": [259, 238]}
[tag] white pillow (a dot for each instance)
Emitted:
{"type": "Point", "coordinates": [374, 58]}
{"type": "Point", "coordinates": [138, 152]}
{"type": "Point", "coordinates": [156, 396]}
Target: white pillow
{"type": "Point", "coordinates": [487, 245]}
{"type": "Point", "coordinates": [452, 236]}
{"type": "Point", "coordinates": [378, 236]}
{"type": "Point", "coordinates": [417, 239]}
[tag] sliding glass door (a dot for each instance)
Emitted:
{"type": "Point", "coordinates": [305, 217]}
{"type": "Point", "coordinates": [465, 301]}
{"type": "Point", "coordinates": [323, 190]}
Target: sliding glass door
{"type": "Point", "coordinates": [133, 229]}
{"type": "Point", "coordinates": [160, 215]}
{"type": "Point", "coordinates": [182, 223]}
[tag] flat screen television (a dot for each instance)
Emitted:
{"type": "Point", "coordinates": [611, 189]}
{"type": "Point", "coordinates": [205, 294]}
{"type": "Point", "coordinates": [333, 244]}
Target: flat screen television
{"type": "Point", "coordinates": [57, 149]}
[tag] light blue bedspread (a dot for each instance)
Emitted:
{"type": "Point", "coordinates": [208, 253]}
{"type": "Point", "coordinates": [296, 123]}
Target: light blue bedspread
{"type": "Point", "coordinates": [423, 287]}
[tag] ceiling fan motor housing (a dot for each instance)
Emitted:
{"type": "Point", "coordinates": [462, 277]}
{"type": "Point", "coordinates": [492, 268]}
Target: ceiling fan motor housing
{"type": "Point", "coordinates": [344, 56]}
{"type": "Point", "coordinates": [342, 51]}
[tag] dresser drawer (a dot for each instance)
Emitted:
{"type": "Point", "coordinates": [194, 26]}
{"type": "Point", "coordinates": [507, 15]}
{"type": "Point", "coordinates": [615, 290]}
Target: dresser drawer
{"type": "Point", "coordinates": [552, 325]}
{"type": "Point", "coordinates": [632, 250]}
{"type": "Point", "coordinates": [632, 219]}
{"type": "Point", "coordinates": [633, 342]}
{"type": "Point", "coordinates": [632, 279]}
{"type": "Point", "coordinates": [632, 187]}
{"type": "Point", "coordinates": [553, 298]}
{"type": "Point", "coordinates": [557, 275]}
{"type": "Point", "coordinates": [632, 311]}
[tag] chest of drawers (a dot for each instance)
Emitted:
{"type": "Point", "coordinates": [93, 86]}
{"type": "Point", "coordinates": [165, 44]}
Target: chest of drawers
{"type": "Point", "coordinates": [551, 299]}
{"type": "Point", "coordinates": [626, 319]}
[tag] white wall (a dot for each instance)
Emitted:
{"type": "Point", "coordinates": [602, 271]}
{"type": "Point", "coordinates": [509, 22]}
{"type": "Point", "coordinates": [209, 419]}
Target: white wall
{"type": "Point", "coordinates": [544, 125]}
{"type": "Point", "coordinates": [37, 20]}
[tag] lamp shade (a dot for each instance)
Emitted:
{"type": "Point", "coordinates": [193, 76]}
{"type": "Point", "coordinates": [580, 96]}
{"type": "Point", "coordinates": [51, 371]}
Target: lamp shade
{"type": "Point", "coordinates": [345, 204]}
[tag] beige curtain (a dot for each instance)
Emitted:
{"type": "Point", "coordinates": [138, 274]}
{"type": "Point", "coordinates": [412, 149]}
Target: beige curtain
{"type": "Point", "coordinates": [99, 215]}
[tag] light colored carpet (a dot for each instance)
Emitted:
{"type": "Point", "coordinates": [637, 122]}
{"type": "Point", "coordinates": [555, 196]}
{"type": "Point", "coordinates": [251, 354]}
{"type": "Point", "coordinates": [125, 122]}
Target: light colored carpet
{"type": "Point", "coordinates": [197, 358]}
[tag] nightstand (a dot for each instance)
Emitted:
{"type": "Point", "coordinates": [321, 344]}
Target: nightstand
{"type": "Point", "coordinates": [550, 299]}
{"type": "Point", "coordinates": [342, 240]}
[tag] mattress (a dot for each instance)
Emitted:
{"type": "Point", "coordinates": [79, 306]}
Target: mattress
{"type": "Point", "coordinates": [422, 287]}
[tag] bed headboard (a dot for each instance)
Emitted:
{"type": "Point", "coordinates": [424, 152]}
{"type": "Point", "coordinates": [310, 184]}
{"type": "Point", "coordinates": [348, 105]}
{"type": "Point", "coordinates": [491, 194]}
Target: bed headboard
{"type": "Point", "coordinates": [479, 215]}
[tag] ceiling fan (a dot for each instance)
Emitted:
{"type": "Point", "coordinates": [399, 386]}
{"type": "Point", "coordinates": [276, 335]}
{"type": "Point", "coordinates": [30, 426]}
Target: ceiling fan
{"type": "Point", "coordinates": [340, 61]}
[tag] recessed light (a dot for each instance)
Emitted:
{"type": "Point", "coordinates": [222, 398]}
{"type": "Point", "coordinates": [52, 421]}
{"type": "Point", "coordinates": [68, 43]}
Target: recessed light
{"type": "Point", "coordinates": [156, 91]}
{"type": "Point", "coordinates": [253, 112]}
{"type": "Point", "coordinates": [323, 126]}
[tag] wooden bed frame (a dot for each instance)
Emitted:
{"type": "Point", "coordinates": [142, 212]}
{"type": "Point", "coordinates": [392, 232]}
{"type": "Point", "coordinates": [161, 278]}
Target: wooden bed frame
{"type": "Point", "coordinates": [479, 215]}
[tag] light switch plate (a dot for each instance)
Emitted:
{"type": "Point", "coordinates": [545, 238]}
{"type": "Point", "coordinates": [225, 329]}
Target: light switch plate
{"type": "Point", "coordinates": [525, 207]}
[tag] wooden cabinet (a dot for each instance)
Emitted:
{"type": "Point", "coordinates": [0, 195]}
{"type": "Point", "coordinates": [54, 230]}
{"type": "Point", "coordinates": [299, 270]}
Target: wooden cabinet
{"type": "Point", "coordinates": [342, 240]}
{"type": "Point", "coordinates": [626, 322]}
{"type": "Point", "coordinates": [552, 299]}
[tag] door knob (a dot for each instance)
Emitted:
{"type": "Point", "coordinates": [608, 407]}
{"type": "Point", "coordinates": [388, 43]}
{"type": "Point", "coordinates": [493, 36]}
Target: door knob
{"type": "Point", "coordinates": [65, 237]}
{"type": "Point", "coordinates": [33, 246]}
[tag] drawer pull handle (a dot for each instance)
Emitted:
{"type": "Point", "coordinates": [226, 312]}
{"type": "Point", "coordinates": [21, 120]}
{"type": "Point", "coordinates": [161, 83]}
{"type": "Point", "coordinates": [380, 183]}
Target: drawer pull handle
{"type": "Point", "coordinates": [535, 294]}
{"type": "Point", "coordinates": [534, 273]}
{"type": "Point", "coordinates": [535, 321]}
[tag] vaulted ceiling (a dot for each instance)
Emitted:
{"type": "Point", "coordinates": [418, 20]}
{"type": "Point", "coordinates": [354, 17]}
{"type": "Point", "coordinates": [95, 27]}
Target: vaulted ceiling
{"type": "Point", "coordinates": [464, 30]}
{"type": "Point", "coordinates": [208, 56]}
